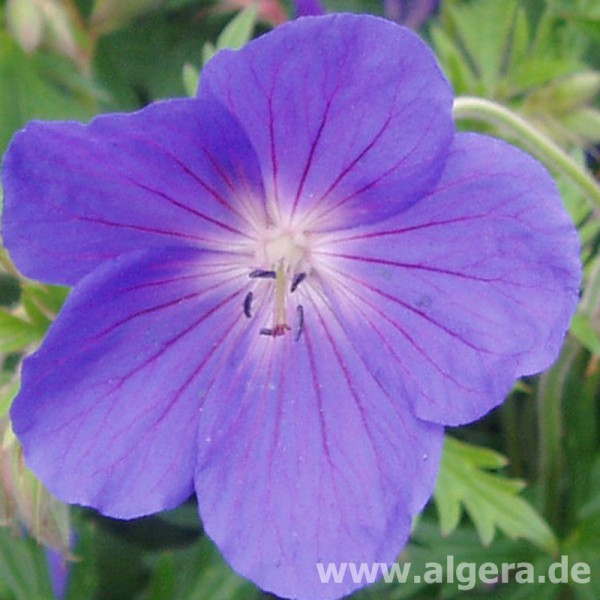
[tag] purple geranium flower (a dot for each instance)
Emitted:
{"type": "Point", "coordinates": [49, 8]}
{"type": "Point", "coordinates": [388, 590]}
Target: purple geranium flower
{"type": "Point", "coordinates": [412, 13]}
{"type": "Point", "coordinates": [309, 8]}
{"type": "Point", "coordinates": [58, 568]}
{"type": "Point", "coordinates": [284, 289]}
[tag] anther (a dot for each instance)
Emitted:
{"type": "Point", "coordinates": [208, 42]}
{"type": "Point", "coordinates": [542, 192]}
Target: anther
{"type": "Point", "coordinates": [248, 304]}
{"type": "Point", "coordinates": [275, 331]}
{"type": "Point", "coordinates": [298, 279]}
{"type": "Point", "coordinates": [262, 274]}
{"type": "Point", "coordinates": [300, 326]}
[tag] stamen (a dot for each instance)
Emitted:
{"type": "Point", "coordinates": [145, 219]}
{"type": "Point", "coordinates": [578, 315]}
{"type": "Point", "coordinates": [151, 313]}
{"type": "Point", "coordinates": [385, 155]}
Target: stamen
{"type": "Point", "coordinates": [248, 304]}
{"type": "Point", "coordinates": [275, 331]}
{"type": "Point", "coordinates": [262, 274]}
{"type": "Point", "coordinates": [300, 326]}
{"type": "Point", "coordinates": [298, 279]}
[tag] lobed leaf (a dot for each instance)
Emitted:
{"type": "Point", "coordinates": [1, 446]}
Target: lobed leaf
{"type": "Point", "coordinates": [491, 501]}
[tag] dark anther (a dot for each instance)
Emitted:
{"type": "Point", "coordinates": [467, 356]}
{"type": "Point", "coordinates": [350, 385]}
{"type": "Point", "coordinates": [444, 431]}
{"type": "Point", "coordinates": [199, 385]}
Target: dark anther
{"type": "Point", "coordinates": [276, 331]}
{"type": "Point", "coordinates": [262, 274]}
{"type": "Point", "coordinates": [248, 304]}
{"type": "Point", "coordinates": [298, 279]}
{"type": "Point", "coordinates": [300, 326]}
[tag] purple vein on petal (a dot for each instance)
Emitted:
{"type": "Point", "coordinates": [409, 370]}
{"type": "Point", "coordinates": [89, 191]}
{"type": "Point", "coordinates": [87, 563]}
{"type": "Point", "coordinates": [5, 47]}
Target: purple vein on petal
{"type": "Point", "coordinates": [268, 94]}
{"type": "Point", "coordinates": [86, 172]}
{"type": "Point", "coordinates": [400, 231]}
{"type": "Point", "coordinates": [188, 209]}
{"type": "Point", "coordinates": [248, 199]}
{"type": "Point", "coordinates": [144, 229]}
{"type": "Point", "coordinates": [315, 142]}
{"type": "Point", "coordinates": [392, 351]}
{"type": "Point", "coordinates": [357, 159]}
{"type": "Point", "coordinates": [226, 178]}
{"type": "Point", "coordinates": [182, 388]}
{"type": "Point", "coordinates": [165, 347]}
{"type": "Point", "coordinates": [93, 341]}
{"type": "Point", "coordinates": [309, 161]}
{"type": "Point", "coordinates": [346, 170]}
{"type": "Point", "coordinates": [416, 266]}
{"type": "Point", "coordinates": [373, 183]}
{"type": "Point", "coordinates": [415, 311]}
{"type": "Point", "coordinates": [349, 382]}
{"type": "Point", "coordinates": [274, 164]}
{"type": "Point", "coordinates": [190, 425]}
{"type": "Point", "coordinates": [351, 341]}
{"type": "Point", "coordinates": [322, 411]}
{"type": "Point", "coordinates": [258, 414]}
{"type": "Point", "coordinates": [149, 284]}
{"type": "Point", "coordinates": [321, 416]}
{"type": "Point", "coordinates": [158, 307]}
{"type": "Point", "coordinates": [351, 290]}
{"type": "Point", "coordinates": [194, 176]}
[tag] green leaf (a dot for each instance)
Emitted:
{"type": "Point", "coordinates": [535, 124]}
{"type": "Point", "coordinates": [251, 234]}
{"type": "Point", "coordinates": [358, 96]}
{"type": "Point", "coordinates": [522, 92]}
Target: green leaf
{"type": "Point", "coordinates": [582, 545]}
{"type": "Point", "coordinates": [109, 15]}
{"type": "Point", "coordinates": [31, 88]}
{"type": "Point", "coordinates": [217, 580]}
{"type": "Point", "coordinates": [144, 61]}
{"type": "Point", "coordinates": [40, 304]}
{"type": "Point", "coordinates": [10, 290]}
{"type": "Point", "coordinates": [191, 77]}
{"type": "Point", "coordinates": [492, 501]}
{"type": "Point", "coordinates": [585, 333]}
{"type": "Point", "coordinates": [521, 36]}
{"type": "Point", "coordinates": [454, 63]}
{"type": "Point", "coordinates": [17, 333]}
{"type": "Point", "coordinates": [50, 298]}
{"type": "Point", "coordinates": [236, 34]}
{"type": "Point", "coordinates": [484, 29]}
{"type": "Point", "coordinates": [239, 30]}
{"type": "Point", "coordinates": [23, 568]}
{"type": "Point", "coordinates": [585, 124]}
{"type": "Point", "coordinates": [427, 549]}
{"type": "Point", "coordinates": [585, 325]}
{"type": "Point", "coordinates": [8, 392]}
{"type": "Point", "coordinates": [208, 51]}
{"type": "Point", "coordinates": [197, 573]}
{"type": "Point", "coordinates": [25, 503]}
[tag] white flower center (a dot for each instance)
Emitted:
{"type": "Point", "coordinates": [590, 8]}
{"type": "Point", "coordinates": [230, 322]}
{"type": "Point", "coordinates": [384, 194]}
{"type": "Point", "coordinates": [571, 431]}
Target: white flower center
{"type": "Point", "coordinates": [283, 261]}
{"type": "Point", "coordinates": [285, 248]}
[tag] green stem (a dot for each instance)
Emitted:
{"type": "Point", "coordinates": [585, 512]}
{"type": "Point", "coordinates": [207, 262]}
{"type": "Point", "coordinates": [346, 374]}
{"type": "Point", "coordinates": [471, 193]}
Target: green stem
{"type": "Point", "coordinates": [540, 145]}
{"type": "Point", "coordinates": [550, 437]}
{"type": "Point", "coordinates": [511, 428]}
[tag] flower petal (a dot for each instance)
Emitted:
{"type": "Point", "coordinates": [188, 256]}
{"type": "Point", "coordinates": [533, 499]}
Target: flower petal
{"type": "Point", "coordinates": [304, 458]}
{"type": "Point", "coordinates": [349, 115]}
{"type": "Point", "coordinates": [466, 291]}
{"type": "Point", "coordinates": [176, 172]}
{"type": "Point", "coordinates": [108, 407]}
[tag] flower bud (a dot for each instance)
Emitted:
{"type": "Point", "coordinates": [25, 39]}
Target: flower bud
{"type": "Point", "coordinates": [585, 123]}
{"type": "Point", "coordinates": [109, 15]}
{"type": "Point", "coordinates": [25, 22]}
{"type": "Point", "coordinates": [25, 502]}
{"type": "Point", "coordinates": [567, 93]}
{"type": "Point", "coordinates": [60, 30]}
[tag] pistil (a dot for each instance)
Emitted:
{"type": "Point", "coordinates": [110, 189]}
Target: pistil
{"type": "Point", "coordinates": [284, 253]}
